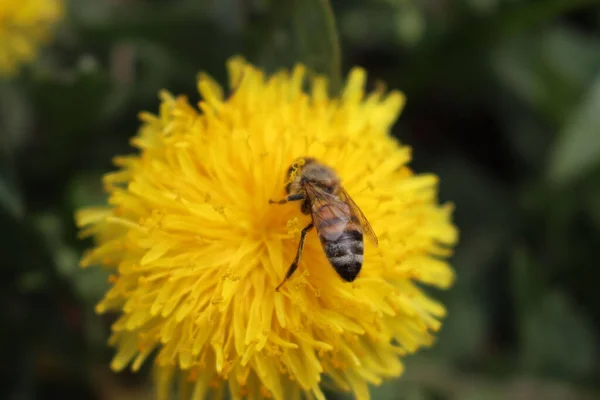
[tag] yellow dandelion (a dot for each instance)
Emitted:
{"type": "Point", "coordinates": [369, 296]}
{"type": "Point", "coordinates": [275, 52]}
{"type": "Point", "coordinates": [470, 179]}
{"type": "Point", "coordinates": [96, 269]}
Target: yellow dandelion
{"type": "Point", "coordinates": [197, 251]}
{"type": "Point", "coordinates": [24, 26]}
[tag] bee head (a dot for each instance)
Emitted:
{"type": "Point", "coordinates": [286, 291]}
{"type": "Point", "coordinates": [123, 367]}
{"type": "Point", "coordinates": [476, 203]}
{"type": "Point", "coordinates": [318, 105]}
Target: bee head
{"type": "Point", "coordinates": [295, 169]}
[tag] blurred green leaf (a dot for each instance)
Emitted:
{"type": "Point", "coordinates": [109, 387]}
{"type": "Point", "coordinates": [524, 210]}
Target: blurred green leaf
{"type": "Point", "coordinates": [399, 390]}
{"type": "Point", "coordinates": [16, 117]}
{"type": "Point", "coordinates": [577, 149]}
{"type": "Point", "coordinates": [10, 199]}
{"type": "Point", "coordinates": [483, 7]}
{"type": "Point", "coordinates": [548, 71]}
{"type": "Point", "coordinates": [572, 53]}
{"type": "Point", "coordinates": [464, 332]}
{"type": "Point", "coordinates": [86, 190]}
{"type": "Point", "coordinates": [592, 201]}
{"type": "Point", "coordinates": [381, 29]}
{"type": "Point", "coordinates": [525, 15]}
{"type": "Point", "coordinates": [298, 31]}
{"type": "Point", "coordinates": [410, 23]}
{"type": "Point", "coordinates": [459, 42]}
{"type": "Point", "coordinates": [67, 105]}
{"type": "Point", "coordinates": [553, 325]}
{"type": "Point", "coordinates": [175, 33]}
{"type": "Point", "coordinates": [528, 137]}
{"type": "Point", "coordinates": [527, 286]}
{"type": "Point", "coordinates": [549, 323]}
{"type": "Point", "coordinates": [90, 283]}
{"type": "Point", "coordinates": [15, 120]}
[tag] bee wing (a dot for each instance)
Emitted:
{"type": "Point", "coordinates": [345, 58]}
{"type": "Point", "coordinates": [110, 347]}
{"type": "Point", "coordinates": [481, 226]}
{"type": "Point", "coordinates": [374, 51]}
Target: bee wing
{"type": "Point", "coordinates": [341, 207]}
{"type": "Point", "coordinates": [325, 208]}
{"type": "Point", "coordinates": [364, 223]}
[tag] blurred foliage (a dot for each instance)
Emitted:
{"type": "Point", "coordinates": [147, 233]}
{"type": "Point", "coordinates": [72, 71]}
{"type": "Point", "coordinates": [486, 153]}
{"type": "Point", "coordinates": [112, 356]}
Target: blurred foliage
{"type": "Point", "coordinates": [503, 103]}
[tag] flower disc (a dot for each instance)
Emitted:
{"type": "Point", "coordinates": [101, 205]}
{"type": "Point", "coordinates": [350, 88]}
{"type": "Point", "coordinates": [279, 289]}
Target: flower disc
{"type": "Point", "coordinates": [197, 250]}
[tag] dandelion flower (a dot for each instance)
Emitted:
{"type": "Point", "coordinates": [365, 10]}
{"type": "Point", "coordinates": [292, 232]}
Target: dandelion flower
{"type": "Point", "coordinates": [196, 250]}
{"type": "Point", "coordinates": [24, 26]}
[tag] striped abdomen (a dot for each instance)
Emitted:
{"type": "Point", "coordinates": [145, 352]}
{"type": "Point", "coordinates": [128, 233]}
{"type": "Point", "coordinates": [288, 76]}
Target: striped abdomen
{"type": "Point", "coordinates": [343, 244]}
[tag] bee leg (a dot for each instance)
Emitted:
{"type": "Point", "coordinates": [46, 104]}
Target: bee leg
{"type": "Point", "coordinates": [291, 197]}
{"type": "Point", "coordinates": [294, 265]}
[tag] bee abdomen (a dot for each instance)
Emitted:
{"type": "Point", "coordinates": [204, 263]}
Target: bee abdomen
{"type": "Point", "coordinates": [346, 253]}
{"type": "Point", "coordinates": [349, 242]}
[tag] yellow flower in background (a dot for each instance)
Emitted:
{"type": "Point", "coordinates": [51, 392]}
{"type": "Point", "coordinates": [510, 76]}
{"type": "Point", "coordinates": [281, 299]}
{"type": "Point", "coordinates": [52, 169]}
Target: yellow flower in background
{"type": "Point", "coordinates": [24, 26]}
{"type": "Point", "coordinates": [197, 251]}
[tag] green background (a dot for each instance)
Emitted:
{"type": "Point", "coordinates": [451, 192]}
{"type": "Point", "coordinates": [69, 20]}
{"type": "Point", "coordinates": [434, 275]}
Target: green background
{"type": "Point", "coordinates": [503, 104]}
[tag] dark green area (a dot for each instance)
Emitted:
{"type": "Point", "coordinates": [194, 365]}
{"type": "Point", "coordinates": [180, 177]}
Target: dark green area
{"type": "Point", "coordinates": [503, 104]}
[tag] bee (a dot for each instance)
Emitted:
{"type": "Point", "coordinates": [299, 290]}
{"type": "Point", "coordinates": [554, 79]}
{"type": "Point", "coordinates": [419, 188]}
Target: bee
{"type": "Point", "coordinates": [340, 224]}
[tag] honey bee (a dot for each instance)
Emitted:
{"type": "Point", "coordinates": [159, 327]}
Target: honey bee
{"type": "Point", "coordinates": [339, 222]}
